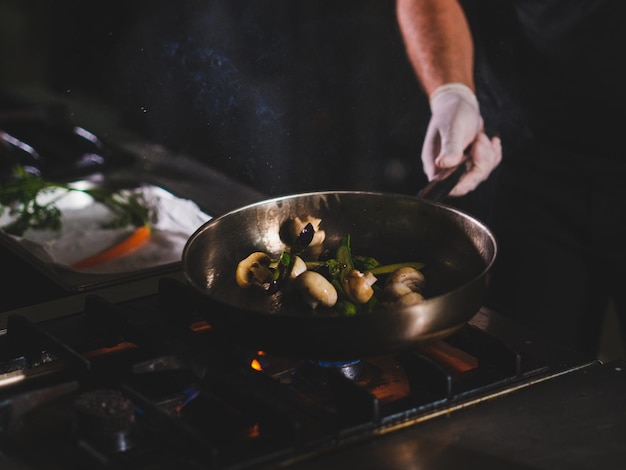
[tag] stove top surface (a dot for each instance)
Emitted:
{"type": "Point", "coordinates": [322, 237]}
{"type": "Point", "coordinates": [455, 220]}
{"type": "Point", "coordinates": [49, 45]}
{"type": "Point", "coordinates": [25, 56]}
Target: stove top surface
{"type": "Point", "coordinates": [133, 374]}
{"type": "Point", "coordinates": [146, 382]}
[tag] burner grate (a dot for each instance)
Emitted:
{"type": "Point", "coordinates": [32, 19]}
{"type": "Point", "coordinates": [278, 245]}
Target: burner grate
{"type": "Point", "coordinates": [199, 397]}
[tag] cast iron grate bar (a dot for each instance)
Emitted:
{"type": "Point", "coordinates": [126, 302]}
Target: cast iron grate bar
{"type": "Point", "coordinates": [355, 404]}
{"type": "Point", "coordinates": [497, 362]}
{"type": "Point", "coordinates": [429, 382]}
{"type": "Point", "coordinates": [153, 334]}
{"type": "Point", "coordinates": [175, 432]}
{"type": "Point", "coordinates": [490, 351]}
{"type": "Point", "coordinates": [468, 361]}
{"type": "Point", "coordinates": [264, 397]}
{"type": "Point", "coordinates": [105, 318]}
{"type": "Point", "coordinates": [179, 301]}
{"type": "Point", "coordinates": [31, 340]}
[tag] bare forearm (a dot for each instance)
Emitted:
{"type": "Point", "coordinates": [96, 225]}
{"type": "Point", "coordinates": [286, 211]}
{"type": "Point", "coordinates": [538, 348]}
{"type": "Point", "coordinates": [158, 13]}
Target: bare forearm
{"type": "Point", "coordinates": [438, 41]}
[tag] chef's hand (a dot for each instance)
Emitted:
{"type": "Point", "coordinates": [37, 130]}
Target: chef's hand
{"type": "Point", "coordinates": [455, 125]}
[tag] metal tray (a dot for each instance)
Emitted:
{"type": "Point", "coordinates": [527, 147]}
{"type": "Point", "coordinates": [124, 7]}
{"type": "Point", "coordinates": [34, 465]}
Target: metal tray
{"type": "Point", "coordinates": [186, 179]}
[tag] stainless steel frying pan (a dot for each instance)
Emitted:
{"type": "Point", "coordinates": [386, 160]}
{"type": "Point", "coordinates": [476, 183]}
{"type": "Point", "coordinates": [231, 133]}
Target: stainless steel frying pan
{"type": "Point", "coordinates": [458, 252]}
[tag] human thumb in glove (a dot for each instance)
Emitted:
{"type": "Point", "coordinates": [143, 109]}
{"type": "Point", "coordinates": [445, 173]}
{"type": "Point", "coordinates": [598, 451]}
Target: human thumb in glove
{"type": "Point", "coordinates": [456, 125]}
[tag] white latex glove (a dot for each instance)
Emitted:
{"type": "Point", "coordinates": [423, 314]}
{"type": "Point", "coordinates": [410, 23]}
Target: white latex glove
{"type": "Point", "coordinates": [455, 124]}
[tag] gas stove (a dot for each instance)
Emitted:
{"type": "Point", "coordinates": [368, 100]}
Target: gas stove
{"type": "Point", "coordinates": [131, 373]}
{"type": "Point", "coordinates": [144, 381]}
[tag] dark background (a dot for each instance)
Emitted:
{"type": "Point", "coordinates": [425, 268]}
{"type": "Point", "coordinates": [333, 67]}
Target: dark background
{"type": "Point", "coordinates": [283, 95]}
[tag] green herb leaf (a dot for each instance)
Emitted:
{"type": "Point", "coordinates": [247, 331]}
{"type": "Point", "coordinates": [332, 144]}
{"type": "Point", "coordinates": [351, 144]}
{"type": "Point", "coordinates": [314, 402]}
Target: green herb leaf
{"type": "Point", "coordinates": [20, 197]}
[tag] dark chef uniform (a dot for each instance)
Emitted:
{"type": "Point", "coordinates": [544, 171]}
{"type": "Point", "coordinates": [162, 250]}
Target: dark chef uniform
{"type": "Point", "coordinates": [550, 80]}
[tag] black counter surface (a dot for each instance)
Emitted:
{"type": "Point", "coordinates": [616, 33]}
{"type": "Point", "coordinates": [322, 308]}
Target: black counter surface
{"type": "Point", "coordinates": [575, 421]}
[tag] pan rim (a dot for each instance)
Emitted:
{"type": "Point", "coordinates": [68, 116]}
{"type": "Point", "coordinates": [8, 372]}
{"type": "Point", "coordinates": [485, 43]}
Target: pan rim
{"type": "Point", "coordinates": [382, 194]}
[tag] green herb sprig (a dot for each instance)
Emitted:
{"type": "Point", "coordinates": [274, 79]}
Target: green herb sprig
{"type": "Point", "coordinates": [22, 194]}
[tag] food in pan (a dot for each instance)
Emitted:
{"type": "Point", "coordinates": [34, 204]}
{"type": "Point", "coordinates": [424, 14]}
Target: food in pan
{"type": "Point", "coordinates": [291, 229]}
{"type": "Point", "coordinates": [325, 279]}
{"type": "Point", "coordinates": [405, 286]}
{"type": "Point", "coordinates": [316, 289]}
{"type": "Point", "coordinates": [254, 270]}
{"type": "Point", "coordinates": [32, 203]}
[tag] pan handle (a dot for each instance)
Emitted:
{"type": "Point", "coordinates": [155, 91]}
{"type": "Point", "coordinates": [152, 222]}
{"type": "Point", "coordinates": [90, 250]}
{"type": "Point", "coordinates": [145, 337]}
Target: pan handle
{"type": "Point", "coordinates": [440, 187]}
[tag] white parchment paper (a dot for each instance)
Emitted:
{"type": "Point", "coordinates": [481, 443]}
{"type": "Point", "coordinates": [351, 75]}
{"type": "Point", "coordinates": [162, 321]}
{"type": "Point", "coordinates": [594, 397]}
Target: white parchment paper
{"type": "Point", "coordinates": [82, 234]}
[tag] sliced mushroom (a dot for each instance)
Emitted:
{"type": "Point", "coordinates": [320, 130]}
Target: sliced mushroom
{"type": "Point", "coordinates": [358, 286]}
{"type": "Point", "coordinates": [299, 266]}
{"type": "Point", "coordinates": [295, 226]}
{"type": "Point", "coordinates": [254, 270]}
{"type": "Point", "coordinates": [317, 290]}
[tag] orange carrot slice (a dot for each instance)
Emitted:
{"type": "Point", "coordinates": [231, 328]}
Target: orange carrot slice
{"type": "Point", "coordinates": [135, 240]}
